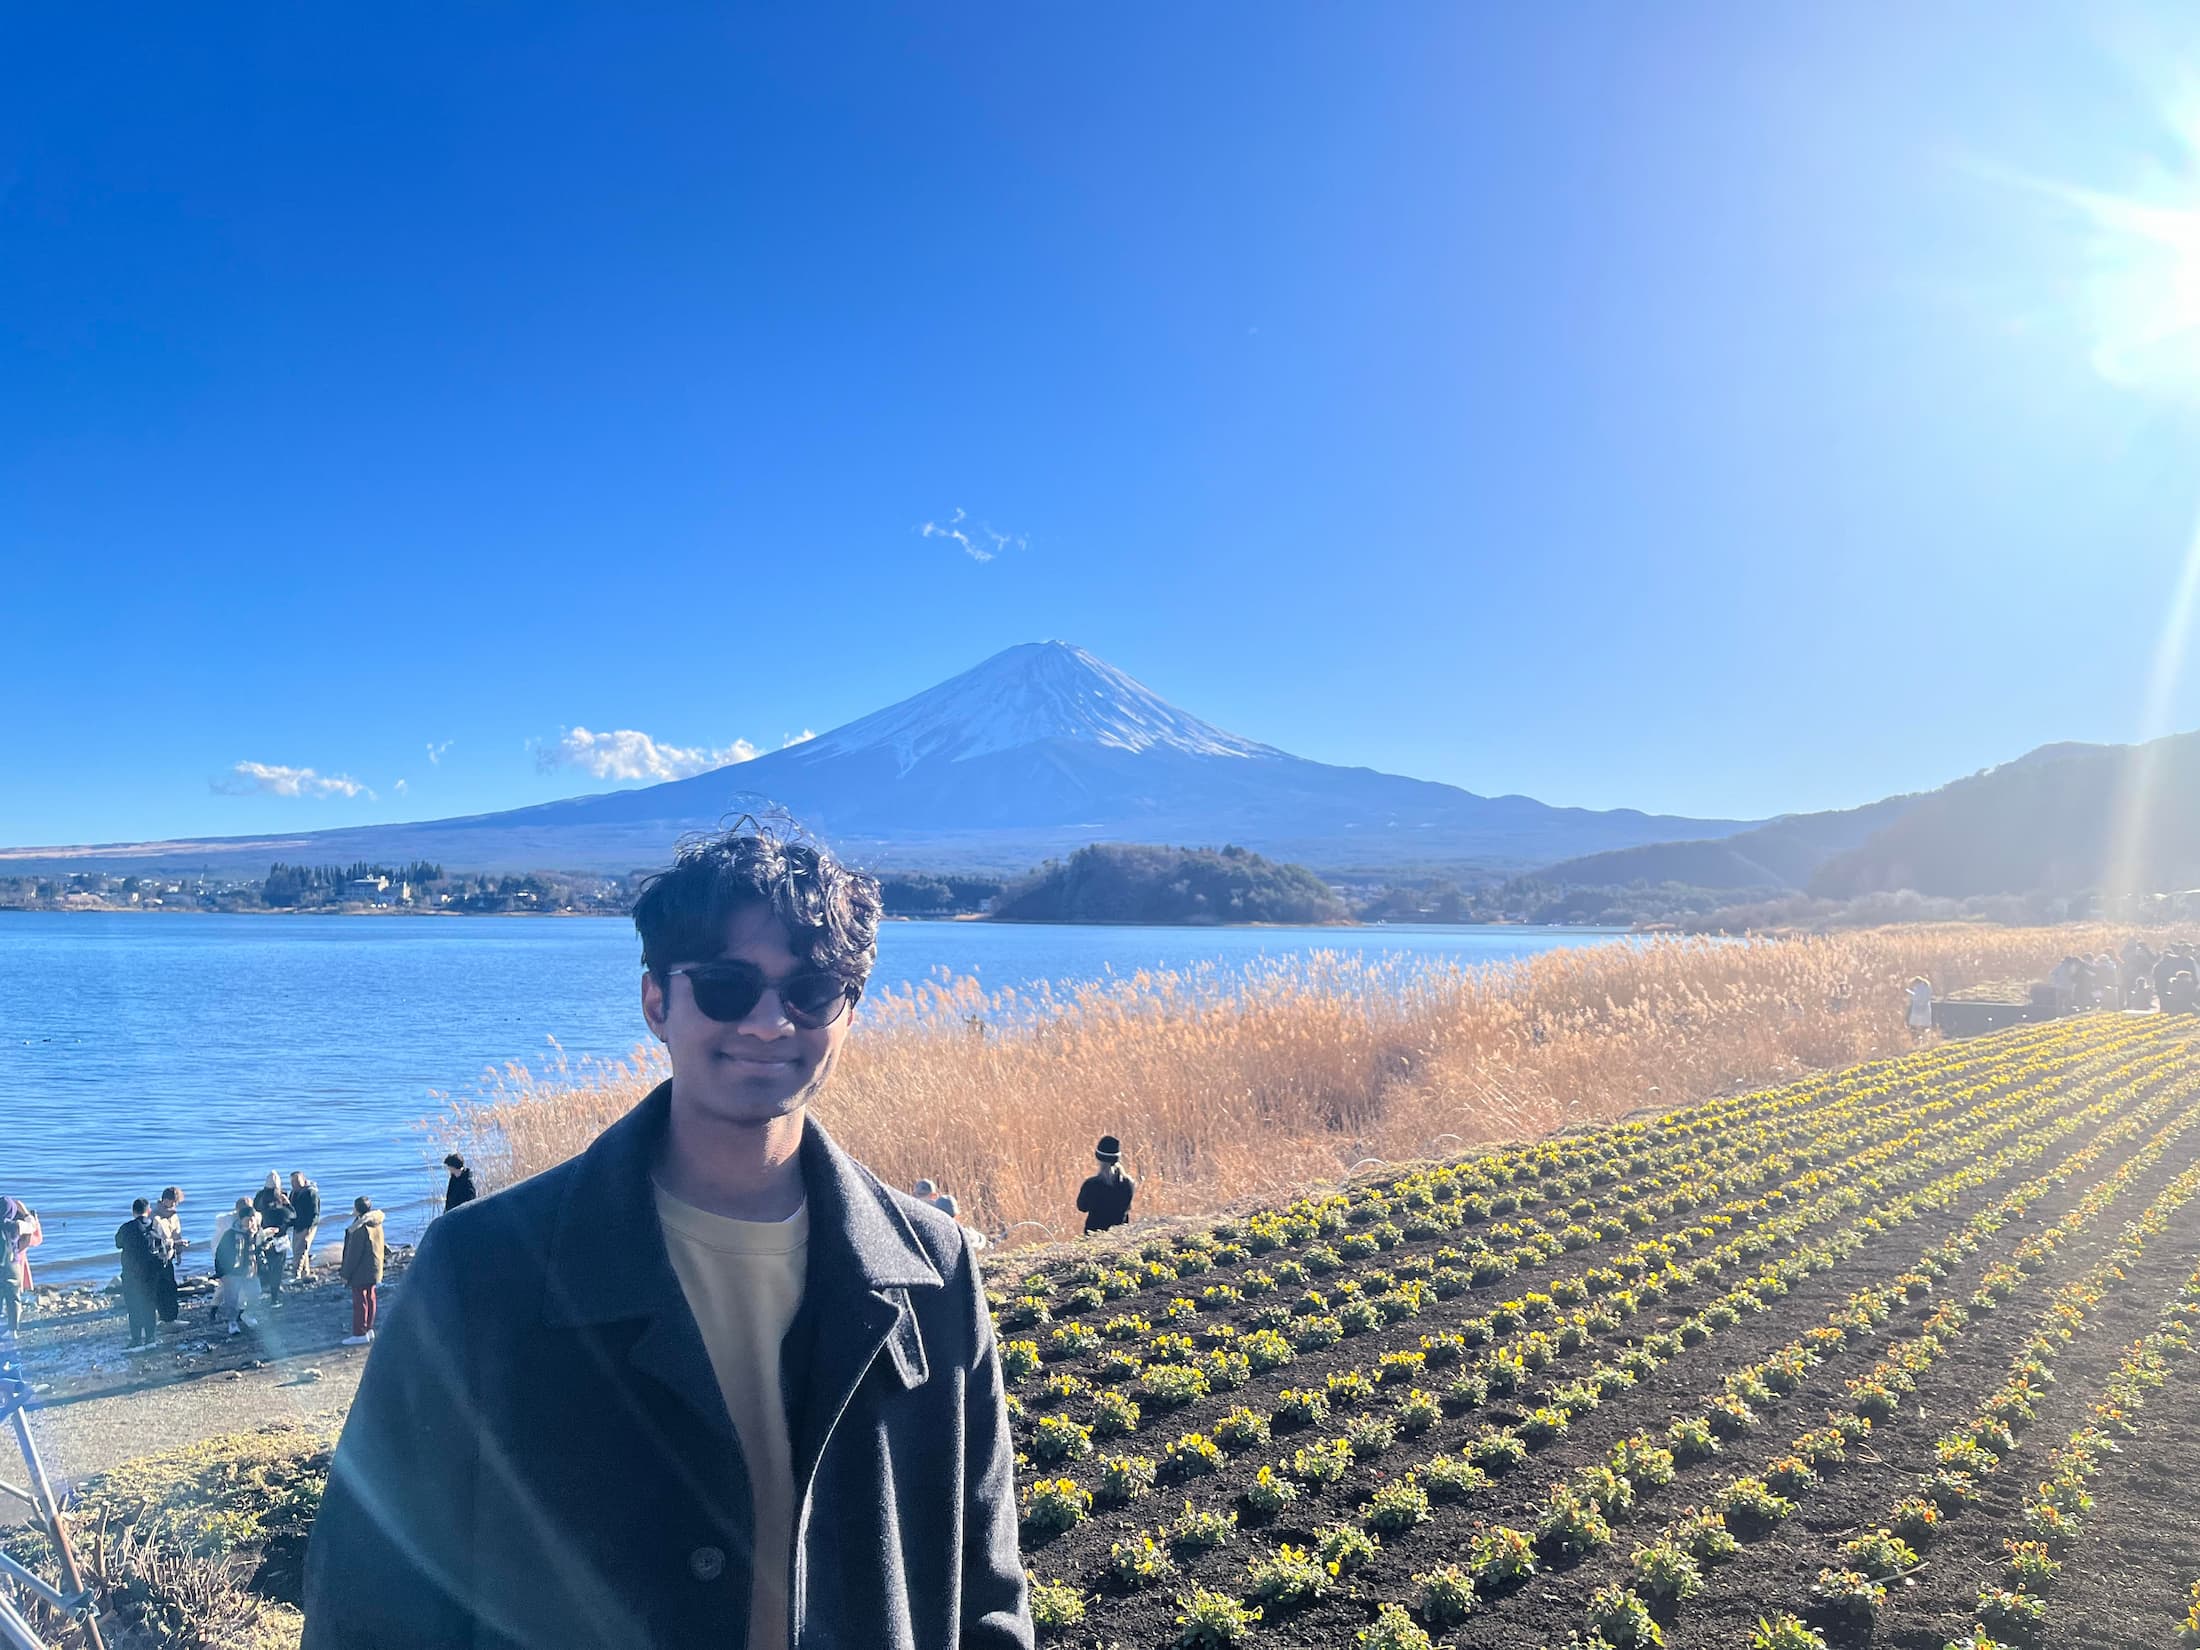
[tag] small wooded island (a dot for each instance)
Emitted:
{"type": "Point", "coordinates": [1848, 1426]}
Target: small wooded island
{"type": "Point", "coordinates": [1131, 883]}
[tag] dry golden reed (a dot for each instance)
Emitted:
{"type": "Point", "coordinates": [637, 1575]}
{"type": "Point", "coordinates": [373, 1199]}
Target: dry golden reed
{"type": "Point", "coordinates": [1222, 1087]}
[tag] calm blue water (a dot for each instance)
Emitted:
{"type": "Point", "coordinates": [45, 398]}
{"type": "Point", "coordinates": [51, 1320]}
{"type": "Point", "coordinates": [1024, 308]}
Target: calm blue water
{"type": "Point", "coordinates": [204, 1050]}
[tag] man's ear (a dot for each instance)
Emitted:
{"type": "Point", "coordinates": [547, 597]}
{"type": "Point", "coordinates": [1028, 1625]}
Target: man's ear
{"type": "Point", "coordinates": [653, 1004]}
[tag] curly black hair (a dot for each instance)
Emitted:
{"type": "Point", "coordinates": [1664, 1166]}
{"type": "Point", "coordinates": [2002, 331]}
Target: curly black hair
{"type": "Point", "coordinates": [830, 911]}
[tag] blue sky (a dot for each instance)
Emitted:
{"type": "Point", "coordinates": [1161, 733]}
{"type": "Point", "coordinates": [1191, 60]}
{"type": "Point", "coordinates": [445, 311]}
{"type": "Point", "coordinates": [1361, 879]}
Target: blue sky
{"type": "Point", "coordinates": [1707, 408]}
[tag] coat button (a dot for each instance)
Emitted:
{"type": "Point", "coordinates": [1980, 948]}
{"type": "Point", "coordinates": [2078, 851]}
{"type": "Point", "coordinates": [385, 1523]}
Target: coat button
{"type": "Point", "coordinates": [706, 1563]}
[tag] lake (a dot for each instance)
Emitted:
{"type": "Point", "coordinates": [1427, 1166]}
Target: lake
{"type": "Point", "coordinates": [203, 1050]}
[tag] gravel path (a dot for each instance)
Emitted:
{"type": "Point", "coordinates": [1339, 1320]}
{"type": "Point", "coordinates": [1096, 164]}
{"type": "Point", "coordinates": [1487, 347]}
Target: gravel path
{"type": "Point", "coordinates": [98, 1406]}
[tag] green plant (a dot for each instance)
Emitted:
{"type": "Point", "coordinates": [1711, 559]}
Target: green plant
{"type": "Point", "coordinates": [1171, 1386]}
{"type": "Point", "coordinates": [1322, 1462]}
{"type": "Point", "coordinates": [2031, 1566]}
{"type": "Point", "coordinates": [1194, 1531]}
{"type": "Point", "coordinates": [1114, 1414]}
{"type": "Point", "coordinates": [1570, 1523]}
{"type": "Point", "coordinates": [1692, 1439]}
{"type": "Point", "coordinates": [1369, 1435]}
{"type": "Point", "coordinates": [1123, 1478]}
{"type": "Point", "coordinates": [1880, 1554]}
{"type": "Point", "coordinates": [1850, 1597]}
{"type": "Point", "coordinates": [1750, 1504]}
{"type": "Point", "coordinates": [1055, 1605]}
{"type": "Point", "coordinates": [1664, 1571]}
{"type": "Point", "coordinates": [1499, 1556]}
{"type": "Point", "coordinates": [1241, 1429]}
{"type": "Point", "coordinates": [1642, 1462]}
{"type": "Point", "coordinates": [2016, 1617]}
{"type": "Point", "coordinates": [1207, 1620]}
{"type": "Point", "coordinates": [1301, 1407]}
{"type": "Point", "coordinates": [1701, 1532]}
{"type": "Point", "coordinates": [1496, 1450]}
{"type": "Point", "coordinates": [1289, 1575]}
{"type": "Point", "coordinates": [1056, 1504]}
{"type": "Point", "coordinates": [1270, 1492]}
{"type": "Point", "coordinates": [1058, 1438]}
{"type": "Point", "coordinates": [1452, 1477]}
{"type": "Point", "coordinates": [1418, 1411]}
{"type": "Point", "coordinates": [1191, 1457]}
{"type": "Point", "coordinates": [1393, 1629]}
{"type": "Point", "coordinates": [1019, 1359]}
{"type": "Point", "coordinates": [1395, 1506]}
{"type": "Point", "coordinates": [1785, 1632]}
{"type": "Point", "coordinates": [1140, 1561]}
{"type": "Point", "coordinates": [1622, 1620]}
{"type": "Point", "coordinates": [1447, 1594]}
{"type": "Point", "coordinates": [1343, 1547]}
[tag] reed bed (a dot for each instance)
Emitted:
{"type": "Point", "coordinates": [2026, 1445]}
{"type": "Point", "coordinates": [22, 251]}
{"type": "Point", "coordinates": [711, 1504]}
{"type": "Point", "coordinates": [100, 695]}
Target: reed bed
{"type": "Point", "coordinates": [1224, 1087]}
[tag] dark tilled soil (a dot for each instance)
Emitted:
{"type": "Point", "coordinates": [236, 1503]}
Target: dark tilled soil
{"type": "Point", "coordinates": [1936, 1604]}
{"type": "Point", "coordinates": [1550, 1606]}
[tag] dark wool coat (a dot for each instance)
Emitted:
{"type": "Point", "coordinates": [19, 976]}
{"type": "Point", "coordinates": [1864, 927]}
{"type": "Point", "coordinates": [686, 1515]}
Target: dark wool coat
{"type": "Point", "coordinates": [539, 1454]}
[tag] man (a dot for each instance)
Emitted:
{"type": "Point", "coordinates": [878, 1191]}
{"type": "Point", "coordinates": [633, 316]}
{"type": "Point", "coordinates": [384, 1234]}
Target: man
{"type": "Point", "coordinates": [460, 1188]}
{"type": "Point", "coordinates": [272, 1205]}
{"type": "Point", "coordinates": [234, 1252]}
{"type": "Point", "coordinates": [168, 1216]}
{"type": "Point", "coordinates": [305, 1220]}
{"type": "Point", "coordinates": [142, 1260]}
{"type": "Point", "coordinates": [1106, 1194]}
{"type": "Point", "coordinates": [926, 1191]}
{"type": "Point", "coordinates": [710, 1382]}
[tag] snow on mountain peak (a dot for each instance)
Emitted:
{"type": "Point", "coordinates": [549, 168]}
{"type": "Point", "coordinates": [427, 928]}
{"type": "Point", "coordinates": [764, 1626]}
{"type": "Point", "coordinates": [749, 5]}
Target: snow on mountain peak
{"type": "Point", "coordinates": [1035, 691]}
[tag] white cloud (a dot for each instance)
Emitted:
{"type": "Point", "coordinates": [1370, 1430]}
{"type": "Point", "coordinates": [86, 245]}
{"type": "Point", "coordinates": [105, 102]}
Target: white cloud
{"type": "Point", "coordinates": [802, 738]}
{"type": "Point", "coordinates": [435, 751]}
{"type": "Point", "coordinates": [978, 541]}
{"type": "Point", "coordinates": [273, 779]}
{"type": "Point", "coordinates": [399, 787]}
{"type": "Point", "coordinates": [625, 753]}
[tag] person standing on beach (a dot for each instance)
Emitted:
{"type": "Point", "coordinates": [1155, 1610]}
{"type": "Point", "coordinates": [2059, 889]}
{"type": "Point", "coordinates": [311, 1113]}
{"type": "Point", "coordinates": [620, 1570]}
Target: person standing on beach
{"type": "Point", "coordinates": [460, 1189]}
{"type": "Point", "coordinates": [305, 1220]}
{"type": "Point", "coordinates": [709, 1382]}
{"type": "Point", "coordinates": [168, 1217]}
{"type": "Point", "coordinates": [1106, 1195]}
{"type": "Point", "coordinates": [233, 1263]}
{"type": "Point", "coordinates": [365, 1254]}
{"type": "Point", "coordinates": [29, 1234]}
{"type": "Point", "coordinates": [144, 1258]}
{"type": "Point", "coordinates": [11, 1291]}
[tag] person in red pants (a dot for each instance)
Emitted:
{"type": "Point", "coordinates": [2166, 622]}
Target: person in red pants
{"type": "Point", "coordinates": [361, 1267]}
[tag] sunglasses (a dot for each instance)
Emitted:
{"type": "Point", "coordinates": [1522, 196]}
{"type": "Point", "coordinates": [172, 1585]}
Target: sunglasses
{"type": "Point", "coordinates": [729, 992]}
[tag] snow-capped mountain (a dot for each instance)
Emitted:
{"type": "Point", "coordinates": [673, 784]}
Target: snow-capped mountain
{"type": "Point", "coordinates": [1037, 751]}
{"type": "Point", "coordinates": [1038, 691]}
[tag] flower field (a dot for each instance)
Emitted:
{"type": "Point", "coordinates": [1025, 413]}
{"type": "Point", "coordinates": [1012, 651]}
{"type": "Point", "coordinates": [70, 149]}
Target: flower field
{"type": "Point", "coordinates": [1896, 1356]}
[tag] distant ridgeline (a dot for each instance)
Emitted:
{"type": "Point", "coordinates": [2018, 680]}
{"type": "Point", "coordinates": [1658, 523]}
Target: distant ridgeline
{"type": "Point", "coordinates": [1121, 883]}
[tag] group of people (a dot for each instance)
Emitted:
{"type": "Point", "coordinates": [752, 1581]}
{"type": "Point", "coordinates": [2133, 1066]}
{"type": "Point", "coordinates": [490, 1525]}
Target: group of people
{"type": "Point", "coordinates": [2139, 978]}
{"type": "Point", "coordinates": [265, 1242]}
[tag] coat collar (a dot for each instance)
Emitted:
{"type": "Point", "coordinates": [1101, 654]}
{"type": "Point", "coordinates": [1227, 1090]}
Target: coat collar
{"type": "Point", "coordinates": [607, 1250]}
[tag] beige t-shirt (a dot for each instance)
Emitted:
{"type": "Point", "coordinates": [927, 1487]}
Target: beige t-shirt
{"type": "Point", "coordinates": [743, 1281]}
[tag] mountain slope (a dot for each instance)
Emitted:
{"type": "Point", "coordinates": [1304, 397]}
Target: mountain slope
{"type": "Point", "coordinates": [2058, 820]}
{"type": "Point", "coordinates": [1036, 751]}
{"type": "Point", "coordinates": [1785, 853]}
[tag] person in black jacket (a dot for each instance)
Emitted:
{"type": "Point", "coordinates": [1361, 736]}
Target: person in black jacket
{"type": "Point", "coordinates": [461, 1188]}
{"type": "Point", "coordinates": [305, 1217]}
{"type": "Point", "coordinates": [710, 1382]}
{"type": "Point", "coordinates": [144, 1258]}
{"type": "Point", "coordinates": [1106, 1195]}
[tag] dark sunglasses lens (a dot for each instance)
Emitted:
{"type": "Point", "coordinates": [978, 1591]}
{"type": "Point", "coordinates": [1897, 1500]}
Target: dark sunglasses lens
{"type": "Point", "coordinates": [817, 998]}
{"type": "Point", "coordinates": [726, 994]}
